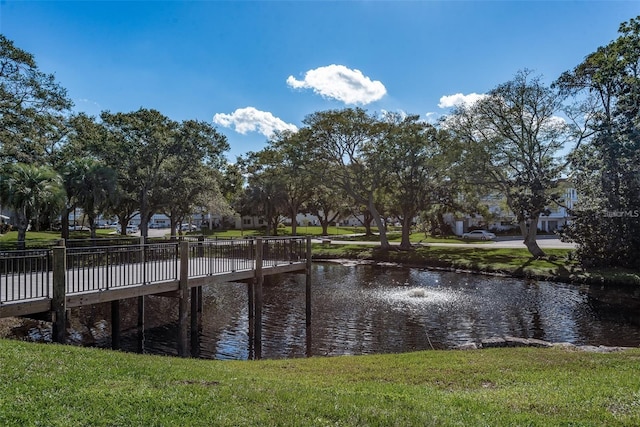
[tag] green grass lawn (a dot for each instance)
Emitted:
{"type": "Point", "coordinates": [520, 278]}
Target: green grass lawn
{"type": "Point", "coordinates": [341, 233]}
{"type": "Point", "coordinates": [559, 265]}
{"type": "Point", "coordinates": [58, 385]}
{"type": "Point", "coordinates": [46, 238]}
{"type": "Point", "coordinates": [315, 231]}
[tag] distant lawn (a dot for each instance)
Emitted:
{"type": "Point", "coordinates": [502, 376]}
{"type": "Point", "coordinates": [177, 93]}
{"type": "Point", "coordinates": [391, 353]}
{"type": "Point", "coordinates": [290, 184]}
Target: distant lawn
{"type": "Point", "coordinates": [227, 234]}
{"type": "Point", "coordinates": [559, 265]}
{"type": "Point", "coordinates": [35, 239]}
{"type": "Point", "coordinates": [341, 233]}
{"type": "Point", "coordinates": [12, 236]}
{"type": "Point", "coordinates": [302, 230]}
{"type": "Point", "coordinates": [495, 259]}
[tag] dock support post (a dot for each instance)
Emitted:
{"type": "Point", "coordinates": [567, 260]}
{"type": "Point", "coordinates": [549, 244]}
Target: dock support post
{"type": "Point", "coordinates": [183, 299]}
{"type": "Point", "coordinates": [115, 325]}
{"type": "Point", "coordinates": [308, 297]}
{"type": "Point", "coordinates": [251, 287]}
{"type": "Point", "coordinates": [258, 301]}
{"type": "Point", "coordinates": [196, 320]}
{"type": "Point", "coordinates": [141, 298]}
{"type": "Point", "coordinates": [59, 297]}
{"type": "Point", "coordinates": [141, 324]}
{"type": "Point", "coordinates": [308, 283]}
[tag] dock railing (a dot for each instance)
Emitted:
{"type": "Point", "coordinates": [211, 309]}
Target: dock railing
{"type": "Point", "coordinates": [25, 274]}
{"type": "Point", "coordinates": [105, 267]}
{"type": "Point", "coordinates": [28, 275]}
{"type": "Point", "coordinates": [46, 283]}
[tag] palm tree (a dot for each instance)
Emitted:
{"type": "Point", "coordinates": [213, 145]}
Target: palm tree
{"type": "Point", "coordinates": [30, 190]}
{"type": "Point", "coordinates": [90, 185]}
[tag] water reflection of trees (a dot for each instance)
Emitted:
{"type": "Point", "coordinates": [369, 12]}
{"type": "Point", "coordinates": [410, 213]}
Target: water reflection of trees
{"type": "Point", "coordinates": [364, 309]}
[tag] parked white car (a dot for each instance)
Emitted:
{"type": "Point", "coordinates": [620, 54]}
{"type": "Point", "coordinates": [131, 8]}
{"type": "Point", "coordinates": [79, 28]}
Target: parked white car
{"type": "Point", "coordinates": [78, 228]}
{"type": "Point", "coordinates": [131, 229]}
{"type": "Point", "coordinates": [479, 235]}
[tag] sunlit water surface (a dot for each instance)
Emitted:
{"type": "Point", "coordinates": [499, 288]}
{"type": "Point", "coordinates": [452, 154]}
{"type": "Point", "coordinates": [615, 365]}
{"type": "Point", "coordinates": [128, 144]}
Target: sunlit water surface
{"type": "Point", "coordinates": [373, 309]}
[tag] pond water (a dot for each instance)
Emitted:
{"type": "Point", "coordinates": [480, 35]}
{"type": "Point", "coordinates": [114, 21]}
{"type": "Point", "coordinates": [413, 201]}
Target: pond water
{"type": "Point", "coordinates": [390, 309]}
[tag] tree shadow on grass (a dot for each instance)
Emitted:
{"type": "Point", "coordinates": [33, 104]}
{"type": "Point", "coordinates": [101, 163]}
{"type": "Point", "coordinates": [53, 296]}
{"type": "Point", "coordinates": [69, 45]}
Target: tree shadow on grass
{"type": "Point", "coordinates": [561, 270]}
{"type": "Point", "coordinates": [513, 263]}
{"type": "Point", "coordinates": [520, 270]}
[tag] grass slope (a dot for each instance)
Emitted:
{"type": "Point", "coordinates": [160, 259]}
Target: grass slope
{"type": "Point", "coordinates": [62, 385]}
{"type": "Point", "coordinates": [558, 266]}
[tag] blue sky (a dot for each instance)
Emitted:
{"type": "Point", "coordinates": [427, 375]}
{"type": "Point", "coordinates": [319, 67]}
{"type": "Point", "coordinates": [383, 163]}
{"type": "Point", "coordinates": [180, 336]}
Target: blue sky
{"type": "Point", "coordinates": [252, 67]}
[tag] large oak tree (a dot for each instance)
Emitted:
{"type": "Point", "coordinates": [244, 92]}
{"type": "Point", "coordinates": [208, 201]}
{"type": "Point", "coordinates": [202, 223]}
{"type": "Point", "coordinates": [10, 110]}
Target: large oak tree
{"type": "Point", "coordinates": [511, 141]}
{"type": "Point", "coordinates": [346, 141]}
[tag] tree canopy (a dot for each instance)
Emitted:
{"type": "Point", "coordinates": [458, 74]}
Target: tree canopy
{"type": "Point", "coordinates": [606, 220]}
{"type": "Point", "coordinates": [33, 107]}
{"type": "Point", "coordinates": [510, 142]}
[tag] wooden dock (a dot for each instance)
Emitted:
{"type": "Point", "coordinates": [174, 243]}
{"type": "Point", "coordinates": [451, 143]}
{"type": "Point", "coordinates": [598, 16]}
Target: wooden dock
{"type": "Point", "coordinates": [47, 283]}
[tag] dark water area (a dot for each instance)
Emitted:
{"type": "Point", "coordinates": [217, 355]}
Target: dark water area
{"type": "Point", "coordinates": [389, 309]}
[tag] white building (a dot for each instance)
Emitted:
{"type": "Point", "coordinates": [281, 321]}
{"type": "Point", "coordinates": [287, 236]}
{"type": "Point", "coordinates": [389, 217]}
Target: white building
{"type": "Point", "coordinates": [505, 220]}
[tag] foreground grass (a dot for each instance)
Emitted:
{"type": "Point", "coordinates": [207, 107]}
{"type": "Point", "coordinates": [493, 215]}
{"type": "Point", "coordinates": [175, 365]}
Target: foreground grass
{"type": "Point", "coordinates": [62, 385]}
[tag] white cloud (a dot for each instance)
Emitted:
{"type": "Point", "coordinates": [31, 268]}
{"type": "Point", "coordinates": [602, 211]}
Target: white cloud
{"type": "Point", "coordinates": [558, 121]}
{"type": "Point", "coordinates": [401, 114]}
{"type": "Point", "coordinates": [341, 83]}
{"type": "Point", "coordinates": [459, 99]}
{"type": "Point", "coordinates": [432, 117]}
{"type": "Point", "coordinates": [249, 119]}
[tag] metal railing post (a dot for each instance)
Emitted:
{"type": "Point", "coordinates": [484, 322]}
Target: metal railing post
{"type": "Point", "coordinates": [309, 338]}
{"type": "Point", "coordinates": [143, 263]}
{"type": "Point", "coordinates": [308, 284]}
{"type": "Point", "coordinates": [59, 297]}
{"type": "Point", "coordinates": [183, 299]}
{"type": "Point", "coordinates": [258, 301]}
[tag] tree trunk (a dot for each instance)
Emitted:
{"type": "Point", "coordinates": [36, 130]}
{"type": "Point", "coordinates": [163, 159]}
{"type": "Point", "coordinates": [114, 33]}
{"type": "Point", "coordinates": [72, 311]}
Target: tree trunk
{"type": "Point", "coordinates": [384, 242]}
{"type": "Point", "coordinates": [123, 224]}
{"type": "Point", "coordinates": [23, 223]}
{"type": "Point", "coordinates": [367, 227]}
{"type": "Point", "coordinates": [325, 227]}
{"type": "Point", "coordinates": [144, 215]}
{"type": "Point", "coordinates": [325, 220]}
{"type": "Point", "coordinates": [406, 233]}
{"type": "Point", "coordinates": [294, 223]}
{"type": "Point", "coordinates": [64, 223]}
{"type": "Point", "coordinates": [173, 224]}
{"type": "Point", "coordinates": [92, 226]}
{"type": "Point", "coordinates": [529, 234]}
{"type": "Point", "coordinates": [367, 218]}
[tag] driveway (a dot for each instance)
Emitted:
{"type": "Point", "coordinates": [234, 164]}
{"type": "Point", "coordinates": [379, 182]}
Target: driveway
{"type": "Point", "coordinates": [158, 232]}
{"type": "Point", "coordinates": [152, 232]}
